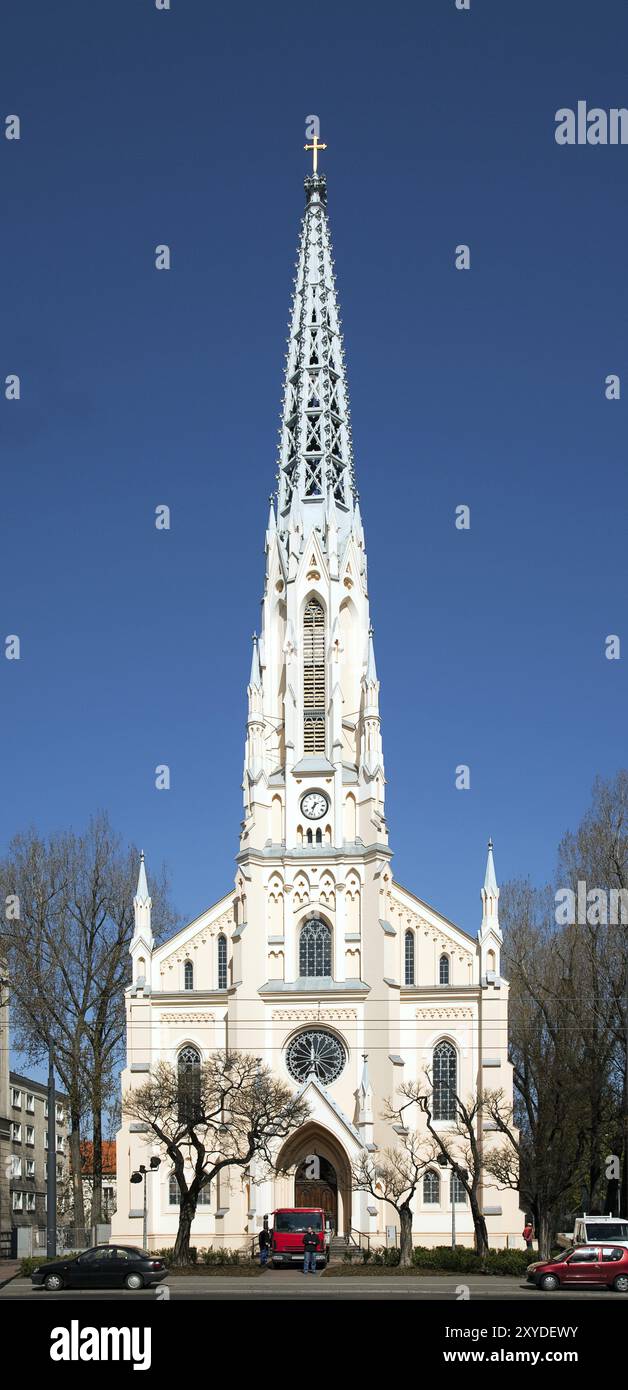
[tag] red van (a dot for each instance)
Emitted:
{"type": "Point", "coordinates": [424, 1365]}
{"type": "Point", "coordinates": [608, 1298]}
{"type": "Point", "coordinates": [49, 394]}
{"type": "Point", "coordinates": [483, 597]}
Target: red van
{"type": "Point", "coordinates": [289, 1225]}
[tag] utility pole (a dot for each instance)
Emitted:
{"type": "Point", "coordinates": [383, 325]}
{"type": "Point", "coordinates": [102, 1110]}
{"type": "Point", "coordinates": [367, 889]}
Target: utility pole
{"type": "Point", "coordinates": [51, 1164]}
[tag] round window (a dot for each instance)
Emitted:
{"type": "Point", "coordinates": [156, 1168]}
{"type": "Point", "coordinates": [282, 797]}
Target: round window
{"type": "Point", "coordinates": [315, 1052]}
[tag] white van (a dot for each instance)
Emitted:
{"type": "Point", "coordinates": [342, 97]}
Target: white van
{"type": "Point", "coordinates": [590, 1229]}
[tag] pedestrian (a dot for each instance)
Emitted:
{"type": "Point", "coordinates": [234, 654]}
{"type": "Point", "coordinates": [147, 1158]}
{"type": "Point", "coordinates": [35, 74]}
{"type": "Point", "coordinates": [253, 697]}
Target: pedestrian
{"type": "Point", "coordinates": [310, 1246]}
{"type": "Point", "coordinates": [528, 1232]}
{"type": "Point", "coordinates": [264, 1244]}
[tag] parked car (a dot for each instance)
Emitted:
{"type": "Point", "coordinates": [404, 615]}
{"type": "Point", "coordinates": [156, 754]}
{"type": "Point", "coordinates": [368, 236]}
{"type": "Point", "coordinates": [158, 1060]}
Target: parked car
{"type": "Point", "coordinates": [603, 1265]}
{"type": "Point", "coordinates": [104, 1267]}
{"type": "Point", "coordinates": [590, 1229]}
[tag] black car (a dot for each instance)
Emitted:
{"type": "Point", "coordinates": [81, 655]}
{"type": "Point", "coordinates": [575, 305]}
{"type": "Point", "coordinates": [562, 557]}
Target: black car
{"type": "Point", "coordinates": [104, 1267]}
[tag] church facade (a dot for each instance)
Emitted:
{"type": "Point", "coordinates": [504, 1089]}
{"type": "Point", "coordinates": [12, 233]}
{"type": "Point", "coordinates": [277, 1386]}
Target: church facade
{"type": "Point", "coordinates": [344, 982]}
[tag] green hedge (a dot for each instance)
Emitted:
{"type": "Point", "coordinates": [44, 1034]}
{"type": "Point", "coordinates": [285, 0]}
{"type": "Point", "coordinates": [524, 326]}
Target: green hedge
{"type": "Point", "coordinates": [460, 1260]}
{"type": "Point", "coordinates": [464, 1261]}
{"type": "Point", "coordinates": [210, 1256]}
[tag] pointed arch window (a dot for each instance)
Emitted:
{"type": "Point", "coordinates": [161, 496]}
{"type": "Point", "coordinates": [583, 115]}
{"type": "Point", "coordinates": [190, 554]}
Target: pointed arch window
{"type": "Point", "coordinates": [188, 975]}
{"type": "Point", "coordinates": [409, 957]}
{"type": "Point", "coordinates": [315, 949]}
{"type": "Point", "coordinates": [444, 1075]}
{"type": "Point", "coordinates": [457, 1191]}
{"type": "Point", "coordinates": [189, 1085]}
{"type": "Point", "coordinates": [431, 1188]}
{"type": "Point", "coordinates": [222, 962]}
{"type": "Point", "coordinates": [313, 678]}
{"type": "Point", "coordinates": [443, 970]}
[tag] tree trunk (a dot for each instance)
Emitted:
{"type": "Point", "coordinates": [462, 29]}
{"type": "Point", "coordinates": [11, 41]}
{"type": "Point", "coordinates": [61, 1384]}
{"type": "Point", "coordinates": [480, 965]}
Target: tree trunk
{"type": "Point", "coordinates": [77, 1180]}
{"type": "Point", "coordinates": [545, 1235]}
{"type": "Point", "coordinates": [187, 1212]}
{"type": "Point", "coordinates": [405, 1242]}
{"type": "Point", "coordinates": [479, 1226]}
{"type": "Point", "coordinates": [97, 1144]}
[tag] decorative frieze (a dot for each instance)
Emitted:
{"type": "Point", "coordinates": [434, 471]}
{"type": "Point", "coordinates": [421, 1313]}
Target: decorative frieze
{"type": "Point", "coordinates": [221, 925]}
{"type": "Point", "coordinates": [180, 1017]}
{"type": "Point", "coordinates": [313, 1015]}
{"type": "Point", "coordinates": [445, 1014]}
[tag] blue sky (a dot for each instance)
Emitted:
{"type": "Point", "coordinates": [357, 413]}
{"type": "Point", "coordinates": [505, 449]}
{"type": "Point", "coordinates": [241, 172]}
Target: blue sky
{"type": "Point", "coordinates": [486, 388]}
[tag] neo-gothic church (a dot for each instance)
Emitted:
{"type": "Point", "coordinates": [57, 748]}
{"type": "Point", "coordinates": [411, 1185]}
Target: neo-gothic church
{"type": "Point", "coordinates": [317, 960]}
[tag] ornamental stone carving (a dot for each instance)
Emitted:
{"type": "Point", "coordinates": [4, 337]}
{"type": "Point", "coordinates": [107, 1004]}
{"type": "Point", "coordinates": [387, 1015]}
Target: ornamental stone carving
{"type": "Point", "coordinates": [223, 924]}
{"type": "Point", "coordinates": [180, 1017]}
{"type": "Point", "coordinates": [313, 1015]}
{"type": "Point", "coordinates": [444, 1013]}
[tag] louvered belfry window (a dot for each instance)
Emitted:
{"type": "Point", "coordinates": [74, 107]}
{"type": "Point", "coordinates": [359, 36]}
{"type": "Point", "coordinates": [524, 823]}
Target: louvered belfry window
{"type": "Point", "coordinates": [313, 678]}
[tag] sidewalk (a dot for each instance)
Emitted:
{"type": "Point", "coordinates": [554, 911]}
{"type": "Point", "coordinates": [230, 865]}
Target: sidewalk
{"type": "Point", "coordinates": [8, 1271]}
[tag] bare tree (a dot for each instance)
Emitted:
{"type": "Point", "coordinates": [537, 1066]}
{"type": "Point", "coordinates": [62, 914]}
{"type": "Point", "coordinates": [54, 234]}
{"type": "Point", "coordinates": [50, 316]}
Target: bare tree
{"type": "Point", "coordinates": [65, 938]}
{"type": "Point", "coordinates": [458, 1145]}
{"type": "Point", "coordinates": [394, 1175]}
{"type": "Point", "coordinates": [219, 1115]}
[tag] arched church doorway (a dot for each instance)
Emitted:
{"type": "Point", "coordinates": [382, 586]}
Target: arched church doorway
{"type": "Point", "coordinates": [313, 1169]}
{"type": "Point", "coordinates": [316, 1185]}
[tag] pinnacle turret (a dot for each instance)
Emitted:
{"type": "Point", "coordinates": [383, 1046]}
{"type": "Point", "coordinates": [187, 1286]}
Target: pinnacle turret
{"type": "Point", "coordinates": [255, 679]}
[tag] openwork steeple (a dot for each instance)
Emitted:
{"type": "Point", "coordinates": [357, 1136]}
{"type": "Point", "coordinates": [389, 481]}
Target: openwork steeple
{"type": "Point", "coordinates": [315, 451]}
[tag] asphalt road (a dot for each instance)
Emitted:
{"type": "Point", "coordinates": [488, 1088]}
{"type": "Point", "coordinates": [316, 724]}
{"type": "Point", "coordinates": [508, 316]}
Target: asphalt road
{"type": "Point", "coordinates": [291, 1284]}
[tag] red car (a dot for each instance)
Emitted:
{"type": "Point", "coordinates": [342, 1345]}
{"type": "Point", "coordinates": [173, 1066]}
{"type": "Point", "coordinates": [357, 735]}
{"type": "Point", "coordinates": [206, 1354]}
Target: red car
{"type": "Point", "coordinates": [603, 1265]}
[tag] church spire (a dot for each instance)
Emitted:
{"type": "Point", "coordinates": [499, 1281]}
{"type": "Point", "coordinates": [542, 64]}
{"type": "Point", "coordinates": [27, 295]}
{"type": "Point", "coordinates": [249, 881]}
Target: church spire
{"type": "Point", "coordinates": [315, 450]}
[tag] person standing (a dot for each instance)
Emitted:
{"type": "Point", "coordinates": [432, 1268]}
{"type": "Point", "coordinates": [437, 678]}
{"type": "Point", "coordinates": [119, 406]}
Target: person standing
{"type": "Point", "coordinates": [528, 1232]}
{"type": "Point", "coordinates": [264, 1245]}
{"type": "Point", "coordinates": [310, 1246]}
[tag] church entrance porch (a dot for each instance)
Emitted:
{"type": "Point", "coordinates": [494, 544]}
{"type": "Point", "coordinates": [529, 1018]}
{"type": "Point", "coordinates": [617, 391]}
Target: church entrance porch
{"type": "Point", "coordinates": [316, 1185]}
{"type": "Point", "coordinates": [313, 1170]}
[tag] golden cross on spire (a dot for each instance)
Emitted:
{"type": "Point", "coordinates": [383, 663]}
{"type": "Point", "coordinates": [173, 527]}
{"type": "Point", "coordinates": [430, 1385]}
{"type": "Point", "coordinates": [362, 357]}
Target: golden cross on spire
{"type": "Point", "coordinates": [315, 147]}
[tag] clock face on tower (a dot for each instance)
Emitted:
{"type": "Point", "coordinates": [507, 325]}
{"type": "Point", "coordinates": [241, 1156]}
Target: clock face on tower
{"type": "Point", "coordinates": [314, 805]}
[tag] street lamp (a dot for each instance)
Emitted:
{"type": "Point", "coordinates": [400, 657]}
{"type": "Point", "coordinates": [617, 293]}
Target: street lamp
{"type": "Point", "coordinates": [456, 1171]}
{"type": "Point", "coordinates": [140, 1175]}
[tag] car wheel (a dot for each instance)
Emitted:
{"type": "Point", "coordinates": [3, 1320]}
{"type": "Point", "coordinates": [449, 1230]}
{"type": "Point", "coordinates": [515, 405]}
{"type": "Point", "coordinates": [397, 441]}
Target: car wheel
{"type": "Point", "coordinates": [52, 1282]}
{"type": "Point", "coordinates": [620, 1284]}
{"type": "Point", "coordinates": [134, 1281]}
{"type": "Point", "coordinates": [548, 1282]}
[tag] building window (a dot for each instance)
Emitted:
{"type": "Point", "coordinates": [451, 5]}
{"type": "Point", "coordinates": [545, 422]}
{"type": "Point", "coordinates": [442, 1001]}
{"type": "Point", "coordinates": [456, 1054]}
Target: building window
{"type": "Point", "coordinates": [457, 1191]}
{"type": "Point", "coordinates": [315, 949]}
{"type": "Point", "coordinates": [188, 975]}
{"type": "Point", "coordinates": [30, 1103]}
{"type": "Point", "coordinates": [30, 1167]}
{"type": "Point", "coordinates": [409, 957]}
{"type": "Point", "coordinates": [431, 1188]}
{"type": "Point", "coordinates": [60, 1144]}
{"type": "Point", "coordinates": [16, 1166]}
{"type": "Point", "coordinates": [443, 970]}
{"type": "Point", "coordinates": [30, 1201]}
{"type": "Point", "coordinates": [315, 1053]}
{"type": "Point", "coordinates": [222, 962]}
{"type": "Point", "coordinates": [17, 1201]}
{"type": "Point", "coordinates": [30, 1134]}
{"type": "Point", "coordinates": [313, 678]}
{"type": "Point", "coordinates": [173, 1191]}
{"type": "Point", "coordinates": [16, 1133]}
{"type": "Point", "coordinates": [16, 1098]}
{"type": "Point", "coordinates": [59, 1114]}
{"type": "Point", "coordinates": [204, 1196]}
{"type": "Point", "coordinates": [444, 1080]}
{"type": "Point", "coordinates": [189, 1087]}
